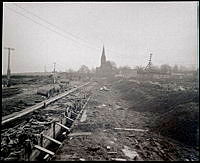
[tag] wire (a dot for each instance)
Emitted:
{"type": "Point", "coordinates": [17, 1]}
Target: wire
{"type": "Point", "coordinates": [54, 25]}
{"type": "Point", "coordinates": [42, 25]}
{"type": "Point", "coordinates": [119, 54]}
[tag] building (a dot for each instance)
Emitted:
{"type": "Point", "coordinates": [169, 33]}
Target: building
{"type": "Point", "coordinates": [127, 73]}
{"type": "Point", "coordinates": [106, 69]}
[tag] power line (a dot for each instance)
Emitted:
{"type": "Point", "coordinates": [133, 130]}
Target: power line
{"type": "Point", "coordinates": [58, 28]}
{"type": "Point", "coordinates": [41, 24]}
{"type": "Point", "coordinates": [53, 25]}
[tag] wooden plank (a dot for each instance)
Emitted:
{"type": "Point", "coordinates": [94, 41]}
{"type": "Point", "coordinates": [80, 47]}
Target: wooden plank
{"type": "Point", "coordinates": [118, 159]}
{"type": "Point", "coordinates": [46, 156]}
{"type": "Point", "coordinates": [21, 113]}
{"type": "Point", "coordinates": [63, 126]}
{"type": "Point", "coordinates": [69, 118]}
{"type": "Point", "coordinates": [77, 117]}
{"type": "Point", "coordinates": [44, 150]}
{"type": "Point", "coordinates": [74, 112]}
{"type": "Point", "coordinates": [80, 134]}
{"type": "Point", "coordinates": [52, 139]}
{"type": "Point", "coordinates": [35, 153]}
{"type": "Point", "coordinates": [130, 129]}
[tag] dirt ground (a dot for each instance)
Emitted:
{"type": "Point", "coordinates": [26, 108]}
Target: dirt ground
{"type": "Point", "coordinates": [105, 112]}
{"type": "Point", "coordinates": [27, 94]}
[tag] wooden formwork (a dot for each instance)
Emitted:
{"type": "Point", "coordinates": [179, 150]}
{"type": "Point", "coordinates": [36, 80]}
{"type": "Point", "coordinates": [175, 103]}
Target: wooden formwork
{"type": "Point", "coordinates": [52, 133]}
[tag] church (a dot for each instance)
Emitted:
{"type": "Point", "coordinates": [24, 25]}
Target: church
{"type": "Point", "coordinates": [106, 69]}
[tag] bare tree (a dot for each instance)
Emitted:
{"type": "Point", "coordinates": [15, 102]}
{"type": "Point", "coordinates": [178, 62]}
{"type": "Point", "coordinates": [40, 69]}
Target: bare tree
{"type": "Point", "coordinates": [84, 69]}
{"type": "Point", "coordinates": [175, 68]}
{"type": "Point", "coordinates": [165, 68]}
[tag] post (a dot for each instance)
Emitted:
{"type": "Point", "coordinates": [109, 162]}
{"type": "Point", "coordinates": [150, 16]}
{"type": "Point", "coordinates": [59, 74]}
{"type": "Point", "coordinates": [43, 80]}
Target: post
{"type": "Point", "coordinates": [8, 70]}
{"type": "Point", "coordinates": [44, 104]}
{"type": "Point", "coordinates": [54, 73]}
{"type": "Point", "coordinates": [28, 149]}
{"type": "Point", "coordinates": [41, 140]}
{"type": "Point", "coordinates": [54, 129]}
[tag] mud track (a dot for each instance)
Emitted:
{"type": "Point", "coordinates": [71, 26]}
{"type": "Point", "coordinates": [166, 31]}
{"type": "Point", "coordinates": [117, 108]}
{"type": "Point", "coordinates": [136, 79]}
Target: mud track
{"type": "Point", "coordinates": [107, 111]}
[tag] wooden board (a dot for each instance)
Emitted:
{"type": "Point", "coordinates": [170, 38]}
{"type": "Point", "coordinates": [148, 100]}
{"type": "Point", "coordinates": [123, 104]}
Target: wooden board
{"type": "Point", "coordinates": [52, 139]}
{"type": "Point", "coordinates": [44, 150]}
{"type": "Point", "coordinates": [21, 113]}
{"type": "Point", "coordinates": [130, 129]}
{"type": "Point", "coordinates": [80, 134]}
{"type": "Point", "coordinates": [46, 142]}
{"type": "Point", "coordinates": [63, 126]}
{"type": "Point", "coordinates": [69, 119]}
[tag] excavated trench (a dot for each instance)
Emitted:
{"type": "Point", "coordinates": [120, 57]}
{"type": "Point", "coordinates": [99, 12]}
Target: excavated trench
{"type": "Point", "coordinates": [13, 144]}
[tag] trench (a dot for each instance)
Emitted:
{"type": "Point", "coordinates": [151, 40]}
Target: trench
{"type": "Point", "coordinates": [36, 154]}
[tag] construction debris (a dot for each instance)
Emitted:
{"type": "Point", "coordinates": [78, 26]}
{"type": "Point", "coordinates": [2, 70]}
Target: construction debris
{"type": "Point", "coordinates": [104, 88]}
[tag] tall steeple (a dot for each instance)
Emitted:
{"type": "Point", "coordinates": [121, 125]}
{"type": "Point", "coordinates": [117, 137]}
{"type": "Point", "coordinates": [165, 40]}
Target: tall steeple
{"type": "Point", "coordinates": [103, 57]}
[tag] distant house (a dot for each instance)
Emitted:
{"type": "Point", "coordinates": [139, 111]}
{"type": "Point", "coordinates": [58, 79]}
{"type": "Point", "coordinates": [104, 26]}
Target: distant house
{"type": "Point", "coordinates": [128, 73]}
{"type": "Point", "coordinates": [151, 74]}
{"type": "Point", "coordinates": [178, 75]}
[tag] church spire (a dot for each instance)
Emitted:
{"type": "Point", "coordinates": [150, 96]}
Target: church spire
{"type": "Point", "coordinates": [103, 57]}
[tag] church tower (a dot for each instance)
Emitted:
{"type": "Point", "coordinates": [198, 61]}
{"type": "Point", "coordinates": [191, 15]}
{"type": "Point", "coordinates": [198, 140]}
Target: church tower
{"type": "Point", "coordinates": [103, 58]}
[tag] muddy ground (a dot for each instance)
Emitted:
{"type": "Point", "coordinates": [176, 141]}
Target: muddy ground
{"type": "Point", "coordinates": [148, 107]}
{"type": "Point", "coordinates": [23, 92]}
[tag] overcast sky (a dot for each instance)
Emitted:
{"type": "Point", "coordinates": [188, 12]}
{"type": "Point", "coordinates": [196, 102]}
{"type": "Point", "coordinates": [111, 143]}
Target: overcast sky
{"type": "Point", "coordinates": [129, 31]}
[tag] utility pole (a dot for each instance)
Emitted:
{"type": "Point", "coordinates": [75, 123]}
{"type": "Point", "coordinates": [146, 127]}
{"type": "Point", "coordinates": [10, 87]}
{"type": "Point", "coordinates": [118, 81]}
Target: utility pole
{"type": "Point", "coordinates": [8, 70]}
{"type": "Point", "coordinates": [54, 67]}
{"type": "Point", "coordinates": [54, 72]}
{"type": "Point", "coordinates": [148, 67]}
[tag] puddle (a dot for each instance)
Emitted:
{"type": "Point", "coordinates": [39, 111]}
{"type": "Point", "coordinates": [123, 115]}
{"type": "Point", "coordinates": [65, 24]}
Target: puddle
{"type": "Point", "coordinates": [84, 116]}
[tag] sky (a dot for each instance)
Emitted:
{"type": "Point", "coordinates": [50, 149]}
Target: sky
{"type": "Point", "coordinates": [72, 34]}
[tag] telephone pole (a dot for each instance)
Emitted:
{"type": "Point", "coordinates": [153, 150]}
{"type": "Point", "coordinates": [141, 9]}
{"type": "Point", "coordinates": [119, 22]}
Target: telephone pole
{"type": "Point", "coordinates": [54, 72]}
{"type": "Point", "coordinates": [8, 70]}
{"type": "Point", "coordinates": [54, 67]}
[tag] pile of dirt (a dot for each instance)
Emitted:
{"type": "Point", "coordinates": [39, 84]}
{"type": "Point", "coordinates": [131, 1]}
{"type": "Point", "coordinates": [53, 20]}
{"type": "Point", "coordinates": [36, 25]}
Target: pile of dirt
{"type": "Point", "coordinates": [147, 97]}
{"type": "Point", "coordinates": [181, 123]}
{"type": "Point", "coordinates": [180, 108]}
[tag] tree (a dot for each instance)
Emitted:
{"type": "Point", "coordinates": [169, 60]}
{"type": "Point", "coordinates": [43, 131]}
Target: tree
{"type": "Point", "coordinates": [125, 69]}
{"type": "Point", "coordinates": [139, 69]}
{"type": "Point", "coordinates": [93, 70]}
{"type": "Point", "coordinates": [175, 68]}
{"type": "Point", "coordinates": [155, 68]}
{"type": "Point", "coordinates": [84, 69]}
{"type": "Point", "coordinates": [113, 64]}
{"type": "Point", "coordinates": [183, 68]}
{"type": "Point", "coordinates": [165, 68]}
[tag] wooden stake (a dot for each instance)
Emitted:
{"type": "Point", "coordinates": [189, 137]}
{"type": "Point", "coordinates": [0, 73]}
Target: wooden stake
{"type": "Point", "coordinates": [53, 140]}
{"type": "Point", "coordinates": [44, 150]}
{"type": "Point", "coordinates": [61, 125]}
{"type": "Point", "coordinates": [41, 140]}
{"type": "Point", "coordinates": [54, 129]}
